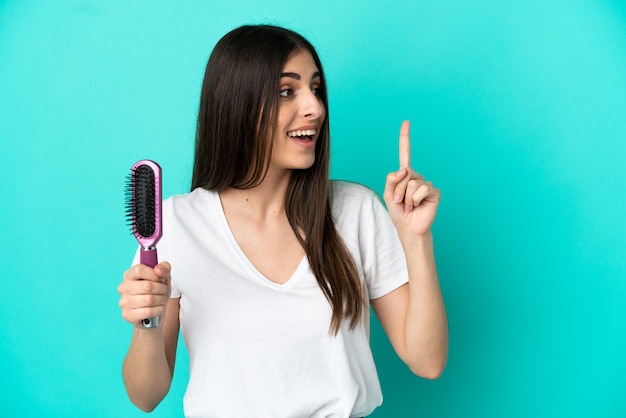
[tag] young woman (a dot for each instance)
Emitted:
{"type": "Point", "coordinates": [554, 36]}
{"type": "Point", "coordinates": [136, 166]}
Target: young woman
{"type": "Point", "coordinates": [273, 266]}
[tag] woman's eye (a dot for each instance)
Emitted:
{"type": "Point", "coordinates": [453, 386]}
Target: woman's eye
{"type": "Point", "coordinates": [286, 92]}
{"type": "Point", "coordinates": [317, 90]}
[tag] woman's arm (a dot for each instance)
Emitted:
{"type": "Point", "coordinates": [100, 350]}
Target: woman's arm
{"type": "Point", "coordinates": [149, 365]}
{"type": "Point", "coordinates": [414, 315]}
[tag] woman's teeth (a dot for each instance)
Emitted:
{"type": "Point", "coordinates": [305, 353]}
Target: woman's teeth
{"type": "Point", "coordinates": [306, 132]}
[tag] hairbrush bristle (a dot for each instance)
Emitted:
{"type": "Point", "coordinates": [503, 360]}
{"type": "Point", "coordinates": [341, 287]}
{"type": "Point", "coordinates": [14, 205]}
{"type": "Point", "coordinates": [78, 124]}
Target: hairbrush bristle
{"type": "Point", "coordinates": [141, 201]}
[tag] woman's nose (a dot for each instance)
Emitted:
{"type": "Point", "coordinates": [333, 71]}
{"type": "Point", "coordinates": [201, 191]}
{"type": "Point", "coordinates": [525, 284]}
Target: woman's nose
{"type": "Point", "coordinates": [312, 106]}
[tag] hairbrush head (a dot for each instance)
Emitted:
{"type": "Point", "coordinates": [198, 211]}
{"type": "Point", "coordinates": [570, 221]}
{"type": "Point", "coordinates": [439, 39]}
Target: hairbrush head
{"type": "Point", "coordinates": [143, 202]}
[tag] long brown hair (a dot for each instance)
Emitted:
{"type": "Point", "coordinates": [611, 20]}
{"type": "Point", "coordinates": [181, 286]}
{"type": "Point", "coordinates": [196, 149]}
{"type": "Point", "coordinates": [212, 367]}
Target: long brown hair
{"type": "Point", "coordinates": [238, 109]}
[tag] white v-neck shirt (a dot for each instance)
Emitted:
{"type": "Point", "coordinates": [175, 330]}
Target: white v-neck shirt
{"type": "Point", "coordinates": [259, 348]}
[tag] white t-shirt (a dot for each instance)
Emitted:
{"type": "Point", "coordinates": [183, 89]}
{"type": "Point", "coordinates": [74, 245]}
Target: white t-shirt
{"type": "Point", "coordinates": [258, 348]}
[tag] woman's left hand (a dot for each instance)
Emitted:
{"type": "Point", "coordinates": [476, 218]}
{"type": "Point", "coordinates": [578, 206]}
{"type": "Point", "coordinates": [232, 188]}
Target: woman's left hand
{"type": "Point", "coordinates": [411, 200]}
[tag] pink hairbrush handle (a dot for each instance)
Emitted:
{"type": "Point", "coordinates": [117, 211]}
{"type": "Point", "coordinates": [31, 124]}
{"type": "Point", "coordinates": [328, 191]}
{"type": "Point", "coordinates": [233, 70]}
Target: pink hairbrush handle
{"type": "Point", "coordinates": [148, 257]}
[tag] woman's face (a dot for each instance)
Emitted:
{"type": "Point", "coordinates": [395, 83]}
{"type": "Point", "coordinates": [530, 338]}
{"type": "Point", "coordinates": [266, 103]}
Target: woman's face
{"type": "Point", "coordinates": [301, 114]}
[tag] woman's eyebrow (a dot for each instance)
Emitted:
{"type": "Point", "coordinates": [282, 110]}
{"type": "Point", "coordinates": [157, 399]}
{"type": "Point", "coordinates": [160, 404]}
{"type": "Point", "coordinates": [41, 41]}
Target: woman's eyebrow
{"type": "Point", "coordinates": [297, 76]}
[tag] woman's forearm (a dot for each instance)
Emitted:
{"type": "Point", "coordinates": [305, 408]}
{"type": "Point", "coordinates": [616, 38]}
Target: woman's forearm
{"type": "Point", "coordinates": [426, 326]}
{"type": "Point", "coordinates": [147, 374]}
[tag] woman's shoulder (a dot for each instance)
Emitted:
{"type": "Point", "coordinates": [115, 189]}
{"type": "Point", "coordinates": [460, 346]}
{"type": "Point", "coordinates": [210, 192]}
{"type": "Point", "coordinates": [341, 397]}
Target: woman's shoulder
{"type": "Point", "coordinates": [198, 198]}
{"type": "Point", "coordinates": [341, 190]}
{"type": "Point", "coordinates": [353, 199]}
{"type": "Point", "coordinates": [195, 194]}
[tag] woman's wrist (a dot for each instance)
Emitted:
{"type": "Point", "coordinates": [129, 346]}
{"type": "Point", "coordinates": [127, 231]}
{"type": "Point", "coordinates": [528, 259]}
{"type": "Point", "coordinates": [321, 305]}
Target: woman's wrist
{"type": "Point", "coordinates": [416, 240]}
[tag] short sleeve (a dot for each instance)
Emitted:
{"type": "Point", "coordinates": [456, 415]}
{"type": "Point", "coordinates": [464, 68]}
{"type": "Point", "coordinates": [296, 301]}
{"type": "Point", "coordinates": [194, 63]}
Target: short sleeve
{"type": "Point", "coordinates": [371, 237]}
{"type": "Point", "coordinates": [384, 262]}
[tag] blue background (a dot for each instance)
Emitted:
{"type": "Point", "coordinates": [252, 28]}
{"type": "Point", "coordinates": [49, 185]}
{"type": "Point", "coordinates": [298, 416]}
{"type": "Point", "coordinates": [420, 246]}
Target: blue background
{"type": "Point", "coordinates": [518, 114]}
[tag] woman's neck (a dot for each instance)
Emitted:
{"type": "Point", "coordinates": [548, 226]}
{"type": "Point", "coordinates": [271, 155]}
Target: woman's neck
{"type": "Point", "coordinates": [267, 200]}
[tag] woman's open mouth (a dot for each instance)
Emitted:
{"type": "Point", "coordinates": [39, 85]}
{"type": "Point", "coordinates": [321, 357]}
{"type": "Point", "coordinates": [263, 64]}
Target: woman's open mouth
{"type": "Point", "coordinates": [302, 135]}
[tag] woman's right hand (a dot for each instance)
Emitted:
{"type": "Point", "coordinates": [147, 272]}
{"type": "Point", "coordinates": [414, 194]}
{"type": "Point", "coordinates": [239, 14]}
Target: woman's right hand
{"type": "Point", "coordinates": [145, 292]}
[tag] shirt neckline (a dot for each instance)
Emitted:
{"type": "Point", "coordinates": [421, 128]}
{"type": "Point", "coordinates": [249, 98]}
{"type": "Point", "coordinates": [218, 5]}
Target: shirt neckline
{"type": "Point", "coordinates": [216, 203]}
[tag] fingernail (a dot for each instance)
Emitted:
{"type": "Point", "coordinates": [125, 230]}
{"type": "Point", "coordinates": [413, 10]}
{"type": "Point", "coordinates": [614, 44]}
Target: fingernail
{"type": "Point", "coordinates": [407, 208]}
{"type": "Point", "coordinates": [397, 198]}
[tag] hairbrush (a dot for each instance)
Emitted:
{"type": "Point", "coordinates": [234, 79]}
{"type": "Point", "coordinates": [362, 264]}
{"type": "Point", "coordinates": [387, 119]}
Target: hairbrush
{"type": "Point", "coordinates": [143, 213]}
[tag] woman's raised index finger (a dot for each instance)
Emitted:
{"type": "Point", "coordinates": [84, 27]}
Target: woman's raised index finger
{"type": "Point", "coordinates": [405, 144]}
